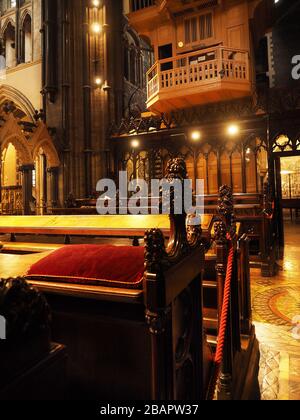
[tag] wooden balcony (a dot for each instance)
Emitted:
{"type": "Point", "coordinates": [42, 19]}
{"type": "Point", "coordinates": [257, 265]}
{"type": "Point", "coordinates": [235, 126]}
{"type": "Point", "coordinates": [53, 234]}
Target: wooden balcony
{"type": "Point", "coordinates": [211, 75]}
{"type": "Point", "coordinates": [174, 6]}
{"type": "Point", "coordinates": [136, 5]}
{"type": "Point", "coordinates": [143, 15]}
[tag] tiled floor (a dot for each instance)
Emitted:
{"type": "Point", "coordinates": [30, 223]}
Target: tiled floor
{"type": "Point", "coordinates": [276, 304]}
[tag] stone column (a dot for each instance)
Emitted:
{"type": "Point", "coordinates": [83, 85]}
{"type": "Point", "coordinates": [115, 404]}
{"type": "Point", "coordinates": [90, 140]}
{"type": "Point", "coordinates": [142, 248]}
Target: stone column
{"type": "Point", "coordinates": [54, 186]}
{"type": "Point", "coordinates": [27, 187]}
{"type": "Point", "coordinates": [87, 123]}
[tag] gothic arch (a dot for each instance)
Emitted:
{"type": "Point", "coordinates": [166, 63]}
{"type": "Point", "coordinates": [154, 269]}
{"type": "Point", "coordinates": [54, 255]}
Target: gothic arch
{"type": "Point", "coordinates": [8, 21]}
{"type": "Point", "coordinates": [24, 15]}
{"type": "Point", "coordinates": [21, 147]}
{"type": "Point", "coordinates": [49, 150]}
{"type": "Point", "coordinates": [10, 94]}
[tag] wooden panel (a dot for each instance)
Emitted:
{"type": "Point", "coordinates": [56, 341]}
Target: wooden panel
{"type": "Point", "coordinates": [236, 172]}
{"type": "Point", "coordinates": [212, 173]}
{"type": "Point", "coordinates": [235, 36]}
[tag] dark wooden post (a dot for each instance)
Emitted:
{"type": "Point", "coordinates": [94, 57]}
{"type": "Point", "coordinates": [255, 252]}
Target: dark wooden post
{"type": "Point", "coordinates": [27, 188]}
{"type": "Point", "coordinates": [158, 316]}
{"type": "Point", "coordinates": [159, 309]}
{"type": "Point", "coordinates": [224, 228]}
{"type": "Point", "coordinates": [54, 186]}
{"type": "Point", "coordinates": [245, 286]}
{"type": "Point", "coordinates": [268, 240]}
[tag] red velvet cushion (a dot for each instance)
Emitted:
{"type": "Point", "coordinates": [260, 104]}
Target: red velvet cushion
{"type": "Point", "coordinates": [94, 265]}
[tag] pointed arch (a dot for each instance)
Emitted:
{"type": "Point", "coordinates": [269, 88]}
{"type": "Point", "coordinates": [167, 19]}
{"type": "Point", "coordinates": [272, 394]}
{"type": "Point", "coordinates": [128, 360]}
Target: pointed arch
{"type": "Point", "coordinates": [8, 21]}
{"type": "Point", "coordinates": [49, 150]}
{"type": "Point", "coordinates": [9, 36]}
{"type": "Point", "coordinates": [26, 37]}
{"type": "Point", "coordinates": [21, 147]}
{"type": "Point", "coordinates": [10, 94]}
{"type": "Point", "coordinates": [25, 13]}
{"type": "Point", "coordinates": [42, 139]}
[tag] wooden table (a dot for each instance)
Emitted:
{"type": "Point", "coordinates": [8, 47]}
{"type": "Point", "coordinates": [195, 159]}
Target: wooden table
{"type": "Point", "coordinates": [128, 226]}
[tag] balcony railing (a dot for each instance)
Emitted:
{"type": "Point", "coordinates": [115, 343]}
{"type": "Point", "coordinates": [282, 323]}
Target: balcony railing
{"type": "Point", "coordinates": [197, 69]}
{"type": "Point", "coordinates": [136, 5]}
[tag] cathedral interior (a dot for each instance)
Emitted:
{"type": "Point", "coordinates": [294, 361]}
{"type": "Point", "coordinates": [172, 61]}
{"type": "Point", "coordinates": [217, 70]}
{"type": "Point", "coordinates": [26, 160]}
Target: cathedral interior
{"type": "Point", "coordinates": [111, 298]}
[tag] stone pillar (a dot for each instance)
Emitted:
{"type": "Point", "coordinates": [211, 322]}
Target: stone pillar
{"type": "Point", "coordinates": [27, 188]}
{"type": "Point", "coordinates": [87, 123]}
{"type": "Point", "coordinates": [18, 38]}
{"type": "Point", "coordinates": [54, 193]}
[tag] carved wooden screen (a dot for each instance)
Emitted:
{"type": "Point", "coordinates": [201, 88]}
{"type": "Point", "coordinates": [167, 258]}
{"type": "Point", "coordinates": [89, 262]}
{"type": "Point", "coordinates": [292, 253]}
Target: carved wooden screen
{"type": "Point", "coordinates": [242, 165]}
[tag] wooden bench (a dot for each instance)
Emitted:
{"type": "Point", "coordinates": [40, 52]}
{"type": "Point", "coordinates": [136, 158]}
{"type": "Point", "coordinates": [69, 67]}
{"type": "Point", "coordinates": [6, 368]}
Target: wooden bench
{"type": "Point", "coordinates": [149, 343]}
{"type": "Point", "coordinates": [255, 213]}
{"type": "Point", "coordinates": [145, 343]}
{"type": "Point", "coordinates": [129, 226]}
{"type": "Point", "coordinates": [241, 347]}
{"type": "Point", "coordinates": [31, 367]}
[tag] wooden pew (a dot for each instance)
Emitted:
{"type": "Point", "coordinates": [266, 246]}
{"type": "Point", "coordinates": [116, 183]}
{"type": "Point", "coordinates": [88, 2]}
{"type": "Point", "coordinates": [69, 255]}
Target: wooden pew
{"type": "Point", "coordinates": [106, 328]}
{"type": "Point", "coordinates": [145, 343]}
{"type": "Point", "coordinates": [31, 366]}
{"type": "Point", "coordinates": [239, 372]}
{"type": "Point", "coordinates": [255, 213]}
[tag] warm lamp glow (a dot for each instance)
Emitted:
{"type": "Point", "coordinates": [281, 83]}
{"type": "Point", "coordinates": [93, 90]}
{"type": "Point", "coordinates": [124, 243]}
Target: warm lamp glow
{"type": "Point", "coordinates": [196, 135]}
{"type": "Point", "coordinates": [96, 28]}
{"type": "Point", "coordinates": [135, 144]}
{"type": "Point", "coordinates": [98, 81]}
{"type": "Point", "coordinates": [233, 130]}
{"type": "Point", "coordinates": [96, 3]}
{"type": "Point", "coordinates": [286, 172]}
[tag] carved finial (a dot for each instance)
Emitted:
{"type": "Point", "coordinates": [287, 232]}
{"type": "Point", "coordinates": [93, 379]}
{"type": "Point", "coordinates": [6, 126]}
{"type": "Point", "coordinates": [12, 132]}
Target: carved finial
{"type": "Point", "coordinates": [226, 209]}
{"type": "Point", "coordinates": [176, 169]}
{"type": "Point", "coordinates": [70, 202]}
{"type": "Point", "coordinates": [268, 200]}
{"type": "Point", "coordinates": [25, 310]}
{"type": "Point", "coordinates": [155, 250]}
{"type": "Point", "coordinates": [194, 230]}
{"type": "Point", "coordinates": [226, 201]}
{"type": "Point", "coordinates": [220, 232]}
{"type": "Point", "coordinates": [157, 321]}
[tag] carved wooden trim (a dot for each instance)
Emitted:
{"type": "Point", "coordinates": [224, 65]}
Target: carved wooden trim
{"type": "Point", "coordinates": [25, 309]}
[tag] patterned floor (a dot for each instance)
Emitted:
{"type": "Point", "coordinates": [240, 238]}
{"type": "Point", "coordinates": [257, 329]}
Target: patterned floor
{"type": "Point", "coordinates": [276, 306]}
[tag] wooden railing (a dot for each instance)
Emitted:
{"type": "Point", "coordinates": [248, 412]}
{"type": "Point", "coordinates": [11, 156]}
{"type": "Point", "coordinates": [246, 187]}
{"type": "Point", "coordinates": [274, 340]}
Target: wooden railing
{"type": "Point", "coordinates": [12, 200]}
{"type": "Point", "coordinates": [198, 68]}
{"type": "Point", "coordinates": [136, 5]}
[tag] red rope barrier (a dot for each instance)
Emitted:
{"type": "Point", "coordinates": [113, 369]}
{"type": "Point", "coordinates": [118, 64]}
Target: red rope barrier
{"type": "Point", "coordinates": [223, 323]}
